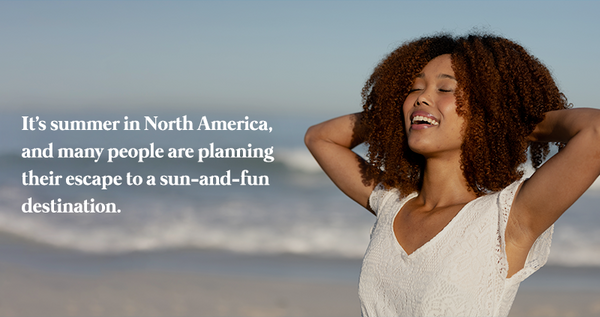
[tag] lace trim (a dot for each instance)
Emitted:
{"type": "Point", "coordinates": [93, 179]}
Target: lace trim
{"type": "Point", "coordinates": [538, 254]}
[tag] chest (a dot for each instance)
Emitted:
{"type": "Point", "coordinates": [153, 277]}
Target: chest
{"type": "Point", "coordinates": [414, 226]}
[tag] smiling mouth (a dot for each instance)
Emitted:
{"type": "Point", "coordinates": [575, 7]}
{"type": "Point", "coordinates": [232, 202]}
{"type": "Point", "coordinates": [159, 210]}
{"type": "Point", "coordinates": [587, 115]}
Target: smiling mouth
{"type": "Point", "coordinates": [424, 120]}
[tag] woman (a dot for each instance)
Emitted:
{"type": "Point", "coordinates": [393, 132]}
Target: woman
{"type": "Point", "coordinates": [448, 122]}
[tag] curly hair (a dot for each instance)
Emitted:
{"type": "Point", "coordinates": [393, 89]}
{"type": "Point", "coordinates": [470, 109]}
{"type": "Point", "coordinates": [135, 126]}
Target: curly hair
{"type": "Point", "coordinates": [503, 93]}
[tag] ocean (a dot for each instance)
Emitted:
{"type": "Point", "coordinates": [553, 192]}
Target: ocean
{"type": "Point", "coordinates": [292, 210]}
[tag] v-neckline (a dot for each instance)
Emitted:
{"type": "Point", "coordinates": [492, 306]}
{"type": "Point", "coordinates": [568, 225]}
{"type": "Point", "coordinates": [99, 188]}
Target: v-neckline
{"type": "Point", "coordinates": [435, 237]}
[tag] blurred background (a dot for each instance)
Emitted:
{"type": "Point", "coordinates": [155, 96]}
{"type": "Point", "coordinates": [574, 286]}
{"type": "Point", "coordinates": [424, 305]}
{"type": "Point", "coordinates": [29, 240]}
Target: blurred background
{"type": "Point", "coordinates": [290, 63]}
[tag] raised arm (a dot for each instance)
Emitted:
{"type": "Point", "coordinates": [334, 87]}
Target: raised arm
{"type": "Point", "coordinates": [330, 143]}
{"type": "Point", "coordinates": [555, 186]}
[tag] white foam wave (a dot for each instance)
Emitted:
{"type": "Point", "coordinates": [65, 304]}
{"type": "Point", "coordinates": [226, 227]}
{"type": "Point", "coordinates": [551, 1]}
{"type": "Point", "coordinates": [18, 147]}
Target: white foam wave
{"type": "Point", "coordinates": [244, 226]}
{"type": "Point", "coordinates": [596, 185]}
{"type": "Point", "coordinates": [298, 159]}
{"type": "Point", "coordinates": [234, 225]}
{"type": "Point", "coordinates": [572, 246]}
{"type": "Point", "coordinates": [297, 240]}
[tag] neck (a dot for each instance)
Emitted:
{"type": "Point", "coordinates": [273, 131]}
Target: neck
{"type": "Point", "coordinates": [444, 183]}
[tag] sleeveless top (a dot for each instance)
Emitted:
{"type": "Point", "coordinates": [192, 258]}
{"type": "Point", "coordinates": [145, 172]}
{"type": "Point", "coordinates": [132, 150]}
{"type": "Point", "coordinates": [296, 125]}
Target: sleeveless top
{"type": "Point", "coordinates": [459, 272]}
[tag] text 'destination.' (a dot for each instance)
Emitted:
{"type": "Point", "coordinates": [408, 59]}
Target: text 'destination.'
{"type": "Point", "coordinates": [57, 206]}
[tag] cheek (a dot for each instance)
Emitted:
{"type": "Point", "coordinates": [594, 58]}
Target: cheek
{"type": "Point", "coordinates": [448, 109]}
{"type": "Point", "coordinates": [448, 101]}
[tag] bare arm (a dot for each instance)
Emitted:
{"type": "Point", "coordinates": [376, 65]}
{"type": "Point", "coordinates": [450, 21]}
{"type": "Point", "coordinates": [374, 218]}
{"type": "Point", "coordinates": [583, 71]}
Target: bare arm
{"type": "Point", "coordinates": [330, 143]}
{"type": "Point", "coordinates": [555, 186]}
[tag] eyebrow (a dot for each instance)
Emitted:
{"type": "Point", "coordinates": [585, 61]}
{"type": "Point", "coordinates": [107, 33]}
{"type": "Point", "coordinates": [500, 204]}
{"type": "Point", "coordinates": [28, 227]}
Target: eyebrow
{"type": "Point", "coordinates": [421, 75]}
{"type": "Point", "coordinates": [446, 76]}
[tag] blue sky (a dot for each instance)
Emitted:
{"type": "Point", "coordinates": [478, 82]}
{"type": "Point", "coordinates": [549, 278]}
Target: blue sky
{"type": "Point", "coordinates": [286, 57]}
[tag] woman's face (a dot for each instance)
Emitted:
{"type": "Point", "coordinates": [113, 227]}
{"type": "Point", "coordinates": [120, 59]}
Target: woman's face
{"type": "Point", "coordinates": [433, 126]}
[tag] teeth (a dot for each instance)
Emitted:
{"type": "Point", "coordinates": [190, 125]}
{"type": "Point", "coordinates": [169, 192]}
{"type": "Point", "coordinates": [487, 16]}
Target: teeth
{"type": "Point", "coordinates": [425, 119]}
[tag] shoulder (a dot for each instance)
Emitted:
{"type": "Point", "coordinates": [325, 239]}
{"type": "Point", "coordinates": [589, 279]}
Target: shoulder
{"type": "Point", "coordinates": [386, 198]}
{"type": "Point", "coordinates": [501, 200]}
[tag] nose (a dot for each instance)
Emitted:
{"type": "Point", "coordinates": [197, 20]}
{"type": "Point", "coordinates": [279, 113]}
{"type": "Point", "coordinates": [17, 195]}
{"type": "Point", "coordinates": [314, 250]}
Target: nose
{"type": "Point", "coordinates": [423, 99]}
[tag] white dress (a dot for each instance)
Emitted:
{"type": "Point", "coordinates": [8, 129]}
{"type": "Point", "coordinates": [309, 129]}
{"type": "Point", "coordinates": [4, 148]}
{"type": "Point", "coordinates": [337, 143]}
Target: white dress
{"type": "Point", "coordinates": [459, 272]}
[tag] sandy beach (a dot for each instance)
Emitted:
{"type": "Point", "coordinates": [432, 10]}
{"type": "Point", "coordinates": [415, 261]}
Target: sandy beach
{"type": "Point", "coordinates": [30, 293]}
{"type": "Point", "coordinates": [233, 285]}
{"type": "Point", "coordinates": [556, 303]}
{"type": "Point", "coordinates": [38, 280]}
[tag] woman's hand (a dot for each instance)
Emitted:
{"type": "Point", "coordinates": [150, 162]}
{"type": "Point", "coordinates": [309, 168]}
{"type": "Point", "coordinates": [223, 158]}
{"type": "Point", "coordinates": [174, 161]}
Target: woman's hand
{"type": "Point", "coordinates": [330, 143]}
{"type": "Point", "coordinates": [563, 125]}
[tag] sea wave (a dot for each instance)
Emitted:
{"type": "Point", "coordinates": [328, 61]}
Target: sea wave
{"type": "Point", "coordinates": [188, 233]}
{"type": "Point", "coordinates": [301, 212]}
{"type": "Point", "coordinates": [240, 225]}
{"type": "Point", "coordinates": [298, 159]}
{"type": "Point", "coordinates": [572, 246]}
{"type": "Point", "coordinates": [233, 224]}
{"type": "Point", "coordinates": [595, 186]}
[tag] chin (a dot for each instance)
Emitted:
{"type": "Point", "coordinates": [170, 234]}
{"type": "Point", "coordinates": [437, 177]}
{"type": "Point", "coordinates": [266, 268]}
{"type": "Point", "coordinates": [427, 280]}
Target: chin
{"type": "Point", "coordinates": [420, 148]}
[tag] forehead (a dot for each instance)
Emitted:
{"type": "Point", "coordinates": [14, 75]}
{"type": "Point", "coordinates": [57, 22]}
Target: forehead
{"type": "Point", "coordinates": [441, 65]}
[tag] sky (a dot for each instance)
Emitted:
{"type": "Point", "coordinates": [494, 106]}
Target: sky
{"type": "Point", "coordinates": [283, 57]}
